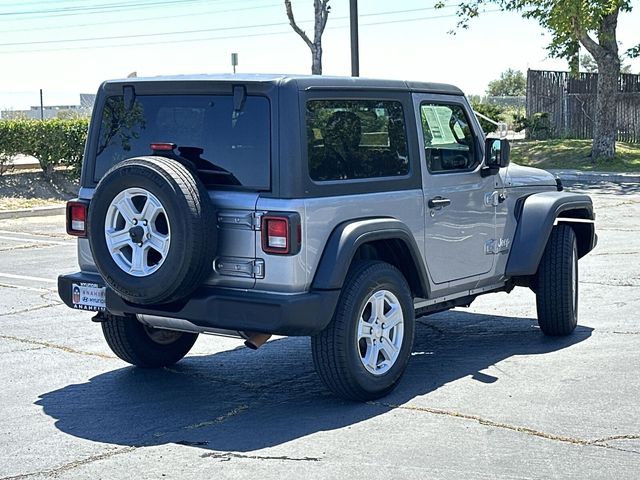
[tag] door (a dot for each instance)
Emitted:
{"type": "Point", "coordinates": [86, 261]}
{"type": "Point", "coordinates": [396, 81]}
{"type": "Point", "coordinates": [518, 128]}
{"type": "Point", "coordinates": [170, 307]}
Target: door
{"type": "Point", "coordinates": [459, 206]}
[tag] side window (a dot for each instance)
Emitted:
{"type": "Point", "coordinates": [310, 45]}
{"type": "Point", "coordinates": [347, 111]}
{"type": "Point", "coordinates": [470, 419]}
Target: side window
{"type": "Point", "coordinates": [349, 139]}
{"type": "Point", "coordinates": [448, 138]}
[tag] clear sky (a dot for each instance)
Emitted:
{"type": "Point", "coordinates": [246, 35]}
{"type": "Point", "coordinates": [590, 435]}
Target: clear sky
{"type": "Point", "coordinates": [69, 46]}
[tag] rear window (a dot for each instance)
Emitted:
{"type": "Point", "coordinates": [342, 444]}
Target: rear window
{"type": "Point", "coordinates": [228, 147]}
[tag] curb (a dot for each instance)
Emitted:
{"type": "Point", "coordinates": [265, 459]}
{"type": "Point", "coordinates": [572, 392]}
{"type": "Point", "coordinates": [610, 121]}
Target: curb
{"type": "Point", "coordinates": [595, 177]}
{"type": "Point", "coordinates": [33, 212]}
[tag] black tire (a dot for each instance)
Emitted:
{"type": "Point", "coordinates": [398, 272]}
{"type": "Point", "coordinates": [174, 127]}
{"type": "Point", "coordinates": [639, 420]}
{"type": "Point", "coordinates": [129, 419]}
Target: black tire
{"type": "Point", "coordinates": [134, 342]}
{"type": "Point", "coordinates": [557, 283]}
{"type": "Point", "coordinates": [336, 350]}
{"type": "Point", "coordinates": [189, 214]}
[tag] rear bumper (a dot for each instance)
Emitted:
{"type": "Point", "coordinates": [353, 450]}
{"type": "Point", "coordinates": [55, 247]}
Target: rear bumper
{"type": "Point", "coordinates": [299, 314]}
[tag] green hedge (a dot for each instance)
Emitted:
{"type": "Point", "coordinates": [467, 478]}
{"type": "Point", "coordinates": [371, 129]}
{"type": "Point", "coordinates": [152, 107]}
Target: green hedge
{"type": "Point", "coordinates": [55, 142]}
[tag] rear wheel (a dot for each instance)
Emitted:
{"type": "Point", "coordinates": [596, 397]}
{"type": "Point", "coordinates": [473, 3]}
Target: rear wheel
{"type": "Point", "coordinates": [144, 346]}
{"type": "Point", "coordinates": [557, 283]}
{"type": "Point", "coordinates": [365, 349]}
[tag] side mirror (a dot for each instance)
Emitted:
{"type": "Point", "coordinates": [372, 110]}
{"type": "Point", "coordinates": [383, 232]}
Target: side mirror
{"type": "Point", "coordinates": [496, 155]}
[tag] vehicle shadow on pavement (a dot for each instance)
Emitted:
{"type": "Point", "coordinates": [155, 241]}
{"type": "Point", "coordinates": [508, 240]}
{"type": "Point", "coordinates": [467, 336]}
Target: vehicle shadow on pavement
{"type": "Point", "coordinates": [241, 400]}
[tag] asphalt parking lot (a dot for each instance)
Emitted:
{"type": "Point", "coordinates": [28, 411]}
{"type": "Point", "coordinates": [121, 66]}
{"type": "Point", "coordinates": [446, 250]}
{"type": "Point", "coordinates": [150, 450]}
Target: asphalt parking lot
{"type": "Point", "coordinates": [485, 395]}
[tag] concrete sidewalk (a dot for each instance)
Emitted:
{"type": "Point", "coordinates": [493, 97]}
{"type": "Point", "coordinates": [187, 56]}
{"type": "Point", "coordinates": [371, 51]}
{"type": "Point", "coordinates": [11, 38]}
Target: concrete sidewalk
{"type": "Point", "coordinates": [33, 212]}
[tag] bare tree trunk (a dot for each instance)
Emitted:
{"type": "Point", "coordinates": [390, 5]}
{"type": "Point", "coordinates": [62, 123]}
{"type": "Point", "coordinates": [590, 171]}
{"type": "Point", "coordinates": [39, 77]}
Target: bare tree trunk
{"type": "Point", "coordinates": [605, 128]}
{"type": "Point", "coordinates": [316, 62]}
{"type": "Point", "coordinates": [605, 53]}
{"type": "Point", "coordinates": [321, 9]}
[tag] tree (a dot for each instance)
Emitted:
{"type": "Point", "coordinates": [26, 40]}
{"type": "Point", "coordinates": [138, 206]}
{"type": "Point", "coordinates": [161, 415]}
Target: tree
{"type": "Point", "coordinates": [572, 23]}
{"type": "Point", "coordinates": [512, 83]}
{"type": "Point", "coordinates": [321, 8]}
{"type": "Point", "coordinates": [589, 65]}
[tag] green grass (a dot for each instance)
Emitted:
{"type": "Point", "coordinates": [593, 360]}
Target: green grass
{"type": "Point", "coordinates": [574, 154]}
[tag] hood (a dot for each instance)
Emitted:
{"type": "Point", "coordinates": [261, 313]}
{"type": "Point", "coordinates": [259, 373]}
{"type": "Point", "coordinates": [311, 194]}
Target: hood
{"type": "Point", "coordinates": [519, 176]}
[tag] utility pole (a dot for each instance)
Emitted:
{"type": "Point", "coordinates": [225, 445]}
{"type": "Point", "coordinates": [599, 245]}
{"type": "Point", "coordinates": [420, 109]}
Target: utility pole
{"type": "Point", "coordinates": [355, 49]}
{"type": "Point", "coordinates": [41, 106]}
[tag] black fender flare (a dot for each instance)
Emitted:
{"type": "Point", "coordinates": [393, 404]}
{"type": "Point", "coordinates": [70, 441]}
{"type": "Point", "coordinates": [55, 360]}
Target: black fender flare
{"type": "Point", "coordinates": [536, 218]}
{"type": "Point", "coordinates": [347, 237]}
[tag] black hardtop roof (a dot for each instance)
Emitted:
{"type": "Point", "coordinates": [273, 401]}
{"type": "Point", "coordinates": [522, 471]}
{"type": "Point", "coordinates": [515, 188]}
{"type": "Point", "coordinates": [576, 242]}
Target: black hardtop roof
{"type": "Point", "coordinates": [303, 82]}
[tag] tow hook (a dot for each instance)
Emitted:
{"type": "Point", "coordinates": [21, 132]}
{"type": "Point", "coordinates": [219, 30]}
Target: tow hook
{"type": "Point", "coordinates": [255, 340]}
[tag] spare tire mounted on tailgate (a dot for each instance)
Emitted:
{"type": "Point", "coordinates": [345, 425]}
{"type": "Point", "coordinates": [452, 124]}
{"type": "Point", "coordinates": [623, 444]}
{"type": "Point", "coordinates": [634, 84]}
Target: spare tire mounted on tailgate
{"type": "Point", "coordinates": [152, 230]}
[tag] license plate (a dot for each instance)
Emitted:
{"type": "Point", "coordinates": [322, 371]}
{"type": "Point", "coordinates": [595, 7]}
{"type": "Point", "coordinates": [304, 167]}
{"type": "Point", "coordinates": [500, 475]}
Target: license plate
{"type": "Point", "coordinates": [88, 296]}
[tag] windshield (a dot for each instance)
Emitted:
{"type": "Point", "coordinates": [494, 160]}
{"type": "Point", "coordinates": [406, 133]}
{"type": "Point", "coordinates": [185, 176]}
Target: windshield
{"type": "Point", "coordinates": [205, 129]}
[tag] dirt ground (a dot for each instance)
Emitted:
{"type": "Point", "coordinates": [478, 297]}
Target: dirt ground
{"type": "Point", "coordinates": [31, 189]}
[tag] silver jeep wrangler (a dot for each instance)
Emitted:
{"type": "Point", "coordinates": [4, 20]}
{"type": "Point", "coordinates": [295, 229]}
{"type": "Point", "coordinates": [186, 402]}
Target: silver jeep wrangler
{"type": "Point", "coordinates": [338, 208]}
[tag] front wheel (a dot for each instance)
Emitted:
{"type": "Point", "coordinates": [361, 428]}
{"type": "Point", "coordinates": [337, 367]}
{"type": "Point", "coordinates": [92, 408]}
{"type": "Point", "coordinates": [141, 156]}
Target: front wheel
{"type": "Point", "coordinates": [557, 283]}
{"type": "Point", "coordinates": [365, 349]}
{"type": "Point", "coordinates": [144, 346]}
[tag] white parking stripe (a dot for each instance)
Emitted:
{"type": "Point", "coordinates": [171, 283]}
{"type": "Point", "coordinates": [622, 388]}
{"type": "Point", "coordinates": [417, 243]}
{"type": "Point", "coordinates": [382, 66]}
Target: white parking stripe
{"type": "Point", "coordinates": [34, 240]}
{"type": "Point", "coordinates": [18, 232]}
{"type": "Point", "coordinates": [25, 277]}
{"type": "Point", "coordinates": [30, 289]}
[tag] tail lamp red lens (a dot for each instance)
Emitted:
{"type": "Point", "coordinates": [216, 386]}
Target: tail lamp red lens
{"type": "Point", "coordinates": [77, 218]}
{"type": "Point", "coordinates": [281, 233]}
{"type": "Point", "coordinates": [276, 235]}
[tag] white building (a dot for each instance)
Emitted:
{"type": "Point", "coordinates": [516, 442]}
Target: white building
{"type": "Point", "coordinates": [84, 109]}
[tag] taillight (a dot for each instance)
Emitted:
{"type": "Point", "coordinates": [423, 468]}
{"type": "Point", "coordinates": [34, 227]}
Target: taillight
{"type": "Point", "coordinates": [163, 147]}
{"type": "Point", "coordinates": [281, 233]}
{"type": "Point", "coordinates": [77, 218]}
{"type": "Point", "coordinates": [277, 234]}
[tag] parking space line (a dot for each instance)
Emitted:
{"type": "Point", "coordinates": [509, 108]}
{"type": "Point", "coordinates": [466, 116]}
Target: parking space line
{"type": "Point", "coordinates": [26, 277]}
{"type": "Point", "coordinates": [30, 289]}
{"type": "Point", "coordinates": [37, 234]}
{"type": "Point", "coordinates": [35, 240]}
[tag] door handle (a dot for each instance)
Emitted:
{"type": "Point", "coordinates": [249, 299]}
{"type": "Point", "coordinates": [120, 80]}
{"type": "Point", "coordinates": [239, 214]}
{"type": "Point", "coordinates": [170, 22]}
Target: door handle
{"type": "Point", "coordinates": [439, 202]}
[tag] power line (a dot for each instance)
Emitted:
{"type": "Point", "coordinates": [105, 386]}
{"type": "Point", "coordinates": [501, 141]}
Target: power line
{"type": "Point", "coordinates": [38, 2]}
{"type": "Point", "coordinates": [125, 8]}
{"type": "Point", "coordinates": [137, 20]}
{"type": "Point", "coordinates": [102, 7]}
{"type": "Point", "coordinates": [142, 35]}
{"type": "Point", "coordinates": [129, 6]}
{"type": "Point", "coordinates": [203, 39]}
{"type": "Point", "coordinates": [188, 32]}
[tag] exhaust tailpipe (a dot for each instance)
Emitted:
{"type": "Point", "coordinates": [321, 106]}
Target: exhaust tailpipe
{"type": "Point", "coordinates": [255, 340]}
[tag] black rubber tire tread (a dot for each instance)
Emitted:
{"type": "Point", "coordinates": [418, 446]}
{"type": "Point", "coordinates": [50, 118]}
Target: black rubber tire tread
{"type": "Point", "coordinates": [330, 347]}
{"type": "Point", "coordinates": [128, 339]}
{"type": "Point", "coordinates": [198, 199]}
{"type": "Point", "coordinates": [556, 313]}
{"type": "Point", "coordinates": [202, 206]}
{"type": "Point", "coordinates": [195, 258]}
